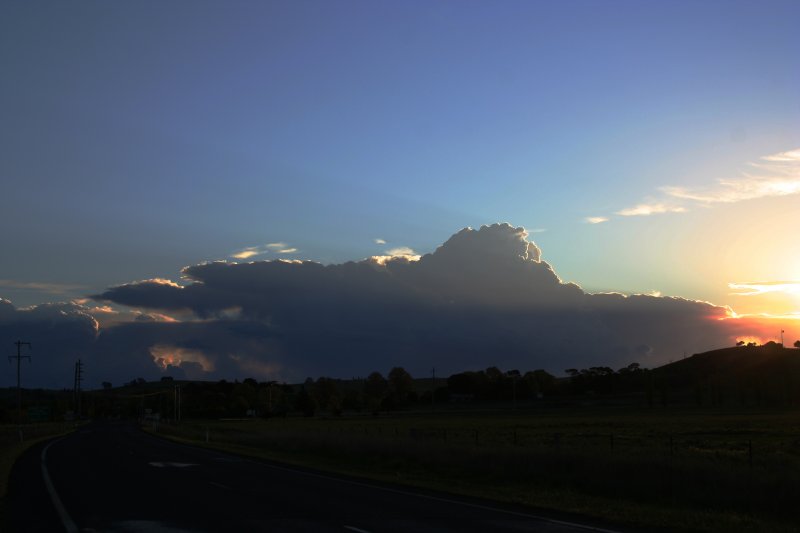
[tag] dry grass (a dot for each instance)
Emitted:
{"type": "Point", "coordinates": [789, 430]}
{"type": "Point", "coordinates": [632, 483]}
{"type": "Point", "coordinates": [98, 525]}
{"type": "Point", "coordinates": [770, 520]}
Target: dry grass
{"type": "Point", "coordinates": [680, 470]}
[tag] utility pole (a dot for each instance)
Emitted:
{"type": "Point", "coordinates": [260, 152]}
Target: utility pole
{"type": "Point", "coordinates": [19, 357]}
{"type": "Point", "coordinates": [781, 338]}
{"type": "Point", "coordinates": [78, 379]}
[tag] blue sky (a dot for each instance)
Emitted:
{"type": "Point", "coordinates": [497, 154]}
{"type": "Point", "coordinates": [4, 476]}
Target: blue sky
{"type": "Point", "coordinates": [138, 138]}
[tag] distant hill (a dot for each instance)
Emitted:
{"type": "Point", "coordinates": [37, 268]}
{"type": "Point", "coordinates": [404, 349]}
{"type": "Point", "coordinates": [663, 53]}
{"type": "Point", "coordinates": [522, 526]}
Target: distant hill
{"type": "Point", "coordinates": [747, 375]}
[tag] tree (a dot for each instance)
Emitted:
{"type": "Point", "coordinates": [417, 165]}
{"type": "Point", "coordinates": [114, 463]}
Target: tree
{"type": "Point", "coordinates": [400, 385]}
{"type": "Point", "coordinates": [633, 367]}
{"type": "Point", "coordinates": [797, 344]}
{"type": "Point", "coordinates": [468, 383]}
{"type": "Point", "coordinates": [540, 382]}
{"type": "Point", "coordinates": [327, 395]}
{"type": "Point", "coordinates": [375, 389]}
{"type": "Point", "coordinates": [306, 403]}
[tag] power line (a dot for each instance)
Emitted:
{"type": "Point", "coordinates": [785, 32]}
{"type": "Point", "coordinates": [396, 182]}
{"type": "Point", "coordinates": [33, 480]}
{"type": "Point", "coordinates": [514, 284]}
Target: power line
{"type": "Point", "coordinates": [19, 357]}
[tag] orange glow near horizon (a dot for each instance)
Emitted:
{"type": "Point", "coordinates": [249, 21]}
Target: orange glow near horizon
{"type": "Point", "coordinates": [763, 328]}
{"type": "Point", "coordinates": [749, 338]}
{"type": "Point", "coordinates": [165, 355]}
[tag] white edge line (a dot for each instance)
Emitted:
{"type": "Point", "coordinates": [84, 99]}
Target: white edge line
{"type": "Point", "coordinates": [438, 499]}
{"type": "Point", "coordinates": [357, 530]}
{"type": "Point", "coordinates": [66, 520]}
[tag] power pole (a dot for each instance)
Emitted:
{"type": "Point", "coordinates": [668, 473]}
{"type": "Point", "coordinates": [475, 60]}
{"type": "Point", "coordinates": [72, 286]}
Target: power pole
{"type": "Point", "coordinates": [19, 357]}
{"type": "Point", "coordinates": [78, 379]}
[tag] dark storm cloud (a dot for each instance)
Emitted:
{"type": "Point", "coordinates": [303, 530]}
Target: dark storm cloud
{"type": "Point", "coordinates": [59, 334]}
{"type": "Point", "coordinates": [485, 297]}
{"type": "Point", "coordinates": [494, 266]}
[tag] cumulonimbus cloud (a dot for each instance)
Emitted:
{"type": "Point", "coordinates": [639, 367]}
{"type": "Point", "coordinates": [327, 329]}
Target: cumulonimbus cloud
{"type": "Point", "coordinates": [483, 297]}
{"type": "Point", "coordinates": [59, 334]}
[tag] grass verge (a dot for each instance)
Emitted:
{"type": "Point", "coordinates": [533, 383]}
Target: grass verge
{"type": "Point", "coordinates": [11, 448]}
{"type": "Point", "coordinates": [687, 494]}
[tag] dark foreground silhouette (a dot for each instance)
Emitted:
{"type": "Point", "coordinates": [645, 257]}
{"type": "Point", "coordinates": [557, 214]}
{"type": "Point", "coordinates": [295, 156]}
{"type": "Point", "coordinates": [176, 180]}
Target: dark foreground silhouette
{"type": "Point", "coordinates": [113, 477]}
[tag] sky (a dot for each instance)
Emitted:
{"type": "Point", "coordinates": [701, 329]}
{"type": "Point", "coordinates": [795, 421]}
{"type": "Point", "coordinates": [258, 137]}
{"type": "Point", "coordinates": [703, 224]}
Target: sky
{"type": "Point", "coordinates": [645, 148]}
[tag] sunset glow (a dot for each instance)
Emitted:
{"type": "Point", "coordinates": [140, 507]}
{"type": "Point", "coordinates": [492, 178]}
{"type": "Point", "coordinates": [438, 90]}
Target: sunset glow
{"type": "Point", "coordinates": [166, 356]}
{"type": "Point", "coordinates": [335, 187]}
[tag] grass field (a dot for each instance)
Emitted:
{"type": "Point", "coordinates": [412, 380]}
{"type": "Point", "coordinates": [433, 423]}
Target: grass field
{"type": "Point", "coordinates": [677, 469]}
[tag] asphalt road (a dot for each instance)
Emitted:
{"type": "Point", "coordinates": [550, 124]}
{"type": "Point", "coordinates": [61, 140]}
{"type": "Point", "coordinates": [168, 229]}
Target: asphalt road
{"type": "Point", "coordinates": [114, 477]}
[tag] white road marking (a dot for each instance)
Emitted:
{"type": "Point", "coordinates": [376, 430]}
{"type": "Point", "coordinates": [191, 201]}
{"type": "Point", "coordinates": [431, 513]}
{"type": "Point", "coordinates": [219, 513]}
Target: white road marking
{"type": "Point", "coordinates": [357, 530]}
{"type": "Point", "coordinates": [66, 520]}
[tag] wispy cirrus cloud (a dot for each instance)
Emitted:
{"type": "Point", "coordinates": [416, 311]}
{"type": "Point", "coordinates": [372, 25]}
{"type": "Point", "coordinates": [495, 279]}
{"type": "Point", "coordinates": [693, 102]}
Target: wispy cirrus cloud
{"type": "Point", "coordinates": [771, 176]}
{"type": "Point", "coordinates": [253, 251]}
{"type": "Point", "coordinates": [595, 220]}
{"type": "Point", "coordinates": [756, 288]}
{"type": "Point", "coordinates": [53, 288]}
{"type": "Point", "coordinates": [250, 251]}
{"type": "Point", "coordinates": [646, 209]}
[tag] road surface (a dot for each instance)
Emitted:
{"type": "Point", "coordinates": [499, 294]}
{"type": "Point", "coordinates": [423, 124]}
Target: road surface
{"type": "Point", "coordinates": [114, 477]}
